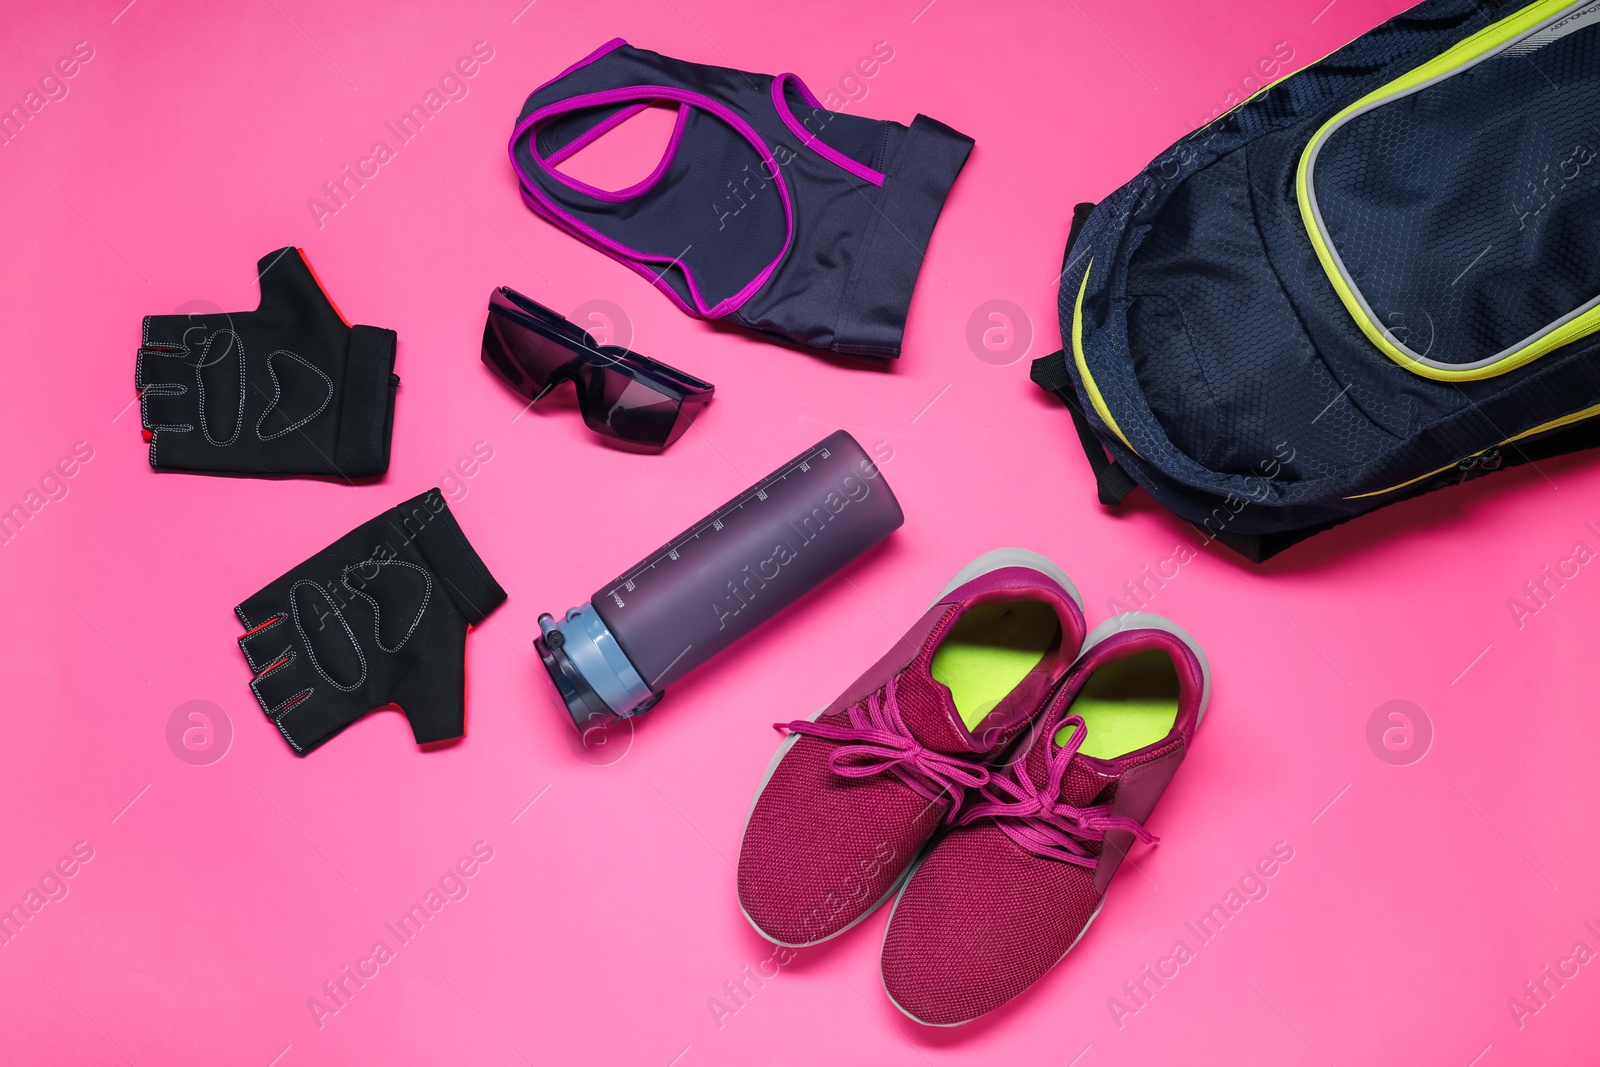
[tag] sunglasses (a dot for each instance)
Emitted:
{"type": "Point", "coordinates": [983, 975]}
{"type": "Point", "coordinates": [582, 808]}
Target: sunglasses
{"type": "Point", "coordinates": [623, 395]}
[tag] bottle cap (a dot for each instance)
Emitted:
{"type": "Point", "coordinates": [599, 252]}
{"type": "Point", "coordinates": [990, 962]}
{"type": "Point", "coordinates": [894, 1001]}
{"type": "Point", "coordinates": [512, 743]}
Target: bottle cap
{"type": "Point", "coordinates": [589, 669]}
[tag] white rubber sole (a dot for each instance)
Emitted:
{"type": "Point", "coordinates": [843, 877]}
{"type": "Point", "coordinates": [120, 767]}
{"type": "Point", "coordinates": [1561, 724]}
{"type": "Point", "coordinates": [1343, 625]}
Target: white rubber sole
{"type": "Point", "coordinates": [994, 560]}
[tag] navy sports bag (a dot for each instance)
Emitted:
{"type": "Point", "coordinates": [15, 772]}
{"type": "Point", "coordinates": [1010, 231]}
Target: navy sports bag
{"type": "Point", "coordinates": [1378, 276]}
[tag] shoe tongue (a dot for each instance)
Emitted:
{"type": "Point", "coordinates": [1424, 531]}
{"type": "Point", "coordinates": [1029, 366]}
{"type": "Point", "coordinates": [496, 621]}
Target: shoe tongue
{"type": "Point", "coordinates": [1081, 783]}
{"type": "Point", "coordinates": [929, 712]}
{"type": "Point", "coordinates": [931, 715]}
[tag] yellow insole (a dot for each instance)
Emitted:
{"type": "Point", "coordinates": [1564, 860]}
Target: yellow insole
{"type": "Point", "coordinates": [1126, 705]}
{"type": "Point", "coordinates": [991, 648]}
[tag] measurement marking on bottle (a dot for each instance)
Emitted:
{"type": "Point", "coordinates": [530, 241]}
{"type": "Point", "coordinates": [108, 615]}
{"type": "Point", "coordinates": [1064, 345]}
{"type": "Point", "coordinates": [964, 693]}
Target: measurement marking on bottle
{"type": "Point", "coordinates": [714, 522]}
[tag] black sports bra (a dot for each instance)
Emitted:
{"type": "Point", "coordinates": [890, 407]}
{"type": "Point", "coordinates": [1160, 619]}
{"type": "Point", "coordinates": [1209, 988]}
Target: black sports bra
{"type": "Point", "coordinates": [766, 209]}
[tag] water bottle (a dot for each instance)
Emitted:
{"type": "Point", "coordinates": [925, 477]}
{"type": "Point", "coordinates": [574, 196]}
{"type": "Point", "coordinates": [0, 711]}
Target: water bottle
{"type": "Point", "coordinates": [613, 657]}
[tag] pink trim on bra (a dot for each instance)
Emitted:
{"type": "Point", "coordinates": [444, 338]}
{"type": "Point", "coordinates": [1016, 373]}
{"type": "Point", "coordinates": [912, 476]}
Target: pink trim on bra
{"type": "Point", "coordinates": [809, 139]}
{"type": "Point", "coordinates": [540, 202]}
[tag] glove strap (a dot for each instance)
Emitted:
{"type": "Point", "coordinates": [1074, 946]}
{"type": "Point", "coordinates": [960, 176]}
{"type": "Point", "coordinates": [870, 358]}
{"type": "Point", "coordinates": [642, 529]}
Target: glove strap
{"type": "Point", "coordinates": [426, 519]}
{"type": "Point", "coordinates": [366, 409]}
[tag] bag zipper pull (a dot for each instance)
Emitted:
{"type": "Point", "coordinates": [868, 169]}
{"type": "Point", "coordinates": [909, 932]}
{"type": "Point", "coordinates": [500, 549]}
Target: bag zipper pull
{"type": "Point", "coordinates": [1481, 462]}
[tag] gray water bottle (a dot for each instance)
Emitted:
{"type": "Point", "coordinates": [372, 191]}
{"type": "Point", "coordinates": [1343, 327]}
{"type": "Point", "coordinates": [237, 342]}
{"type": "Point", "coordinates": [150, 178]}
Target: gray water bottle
{"type": "Point", "coordinates": [613, 657]}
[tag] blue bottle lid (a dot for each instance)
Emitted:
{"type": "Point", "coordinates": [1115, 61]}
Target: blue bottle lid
{"type": "Point", "coordinates": [591, 672]}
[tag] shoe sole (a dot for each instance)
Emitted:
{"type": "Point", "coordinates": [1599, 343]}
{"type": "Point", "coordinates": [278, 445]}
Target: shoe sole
{"type": "Point", "coordinates": [997, 559]}
{"type": "Point", "coordinates": [1128, 620]}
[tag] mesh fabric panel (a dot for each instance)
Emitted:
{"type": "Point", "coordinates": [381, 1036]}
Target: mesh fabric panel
{"type": "Point", "coordinates": [821, 850]}
{"type": "Point", "coordinates": [1228, 370]}
{"type": "Point", "coordinates": [980, 922]}
{"type": "Point", "coordinates": [1468, 213]}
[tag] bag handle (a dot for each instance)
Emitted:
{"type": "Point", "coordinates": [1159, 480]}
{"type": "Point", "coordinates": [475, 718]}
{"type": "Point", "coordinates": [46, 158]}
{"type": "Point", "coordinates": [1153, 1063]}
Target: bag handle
{"type": "Point", "coordinates": [1112, 482]}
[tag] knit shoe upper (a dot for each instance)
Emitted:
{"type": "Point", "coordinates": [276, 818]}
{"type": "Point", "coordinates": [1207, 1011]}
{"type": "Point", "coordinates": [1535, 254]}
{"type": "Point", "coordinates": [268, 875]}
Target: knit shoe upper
{"type": "Point", "coordinates": [855, 793]}
{"type": "Point", "coordinates": [1002, 897]}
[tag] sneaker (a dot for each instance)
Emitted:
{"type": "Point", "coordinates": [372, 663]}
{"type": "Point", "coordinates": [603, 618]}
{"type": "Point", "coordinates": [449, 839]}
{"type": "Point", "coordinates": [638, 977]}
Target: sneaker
{"type": "Point", "coordinates": [857, 790]}
{"type": "Point", "coordinates": [1005, 894]}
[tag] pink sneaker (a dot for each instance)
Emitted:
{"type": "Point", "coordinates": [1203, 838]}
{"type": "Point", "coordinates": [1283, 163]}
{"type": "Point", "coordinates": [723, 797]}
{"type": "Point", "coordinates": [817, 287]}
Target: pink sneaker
{"type": "Point", "coordinates": [855, 792]}
{"type": "Point", "coordinates": [1003, 897]}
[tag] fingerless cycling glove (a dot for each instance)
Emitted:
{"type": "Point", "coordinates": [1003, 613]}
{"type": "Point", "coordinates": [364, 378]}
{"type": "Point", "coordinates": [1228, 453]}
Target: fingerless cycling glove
{"type": "Point", "coordinates": [287, 389]}
{"type": "Point", "coordinates": [378, 617]}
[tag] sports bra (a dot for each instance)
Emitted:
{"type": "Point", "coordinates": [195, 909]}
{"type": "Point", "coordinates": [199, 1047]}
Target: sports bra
{"type": "Point", "coordinates": [766, 209]}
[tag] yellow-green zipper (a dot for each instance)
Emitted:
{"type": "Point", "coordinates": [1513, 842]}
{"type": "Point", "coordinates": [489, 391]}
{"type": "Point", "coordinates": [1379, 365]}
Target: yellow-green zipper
{"type": "Point", "coordinates": [1543, 427]}
{"type": "Point", "coordinates": [1089, 385]}
{"type": "Point", "coordinates": [1484, 41]}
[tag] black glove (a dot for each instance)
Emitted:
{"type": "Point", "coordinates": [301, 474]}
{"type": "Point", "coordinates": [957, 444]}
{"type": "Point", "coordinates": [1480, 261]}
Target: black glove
{"type": "Point", "coordinates": [289, 388]}
{"type": "Point", "coordinates": [378, 617]}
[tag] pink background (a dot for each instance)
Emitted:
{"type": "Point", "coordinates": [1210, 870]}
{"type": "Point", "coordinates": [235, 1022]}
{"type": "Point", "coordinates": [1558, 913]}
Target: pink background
{"type": "Point", "coordinates": [1419, 899]}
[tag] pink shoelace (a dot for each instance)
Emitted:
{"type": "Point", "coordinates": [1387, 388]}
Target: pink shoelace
{"type": "Point", "coordinates": [878, 741]}
{"type": "Point", "coordinates": [1037, 819]}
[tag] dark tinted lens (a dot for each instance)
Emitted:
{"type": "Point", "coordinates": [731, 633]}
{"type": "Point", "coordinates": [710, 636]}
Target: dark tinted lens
{"type": "Point", "coordinates": [688, 411]}
{"type": "Point", "coordinates": [618, 405]}
{"type": "Point", "coordinates": [522, 357]}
